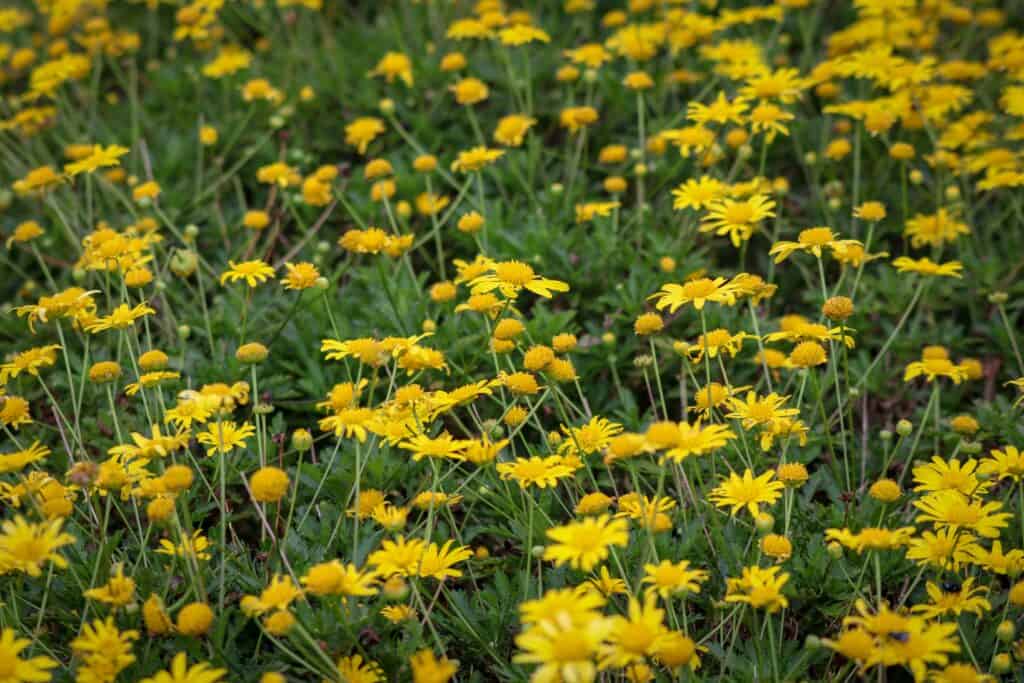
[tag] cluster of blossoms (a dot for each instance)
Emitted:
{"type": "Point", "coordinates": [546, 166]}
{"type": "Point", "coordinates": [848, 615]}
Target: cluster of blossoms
{"type": "Point", "coordinates": [647, 342]}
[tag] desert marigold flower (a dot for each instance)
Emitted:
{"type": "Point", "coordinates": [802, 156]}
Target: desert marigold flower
{"type": "Point", "coordinates": [453, 61]}
{"type": "Point", "coordinates": [885, 491]}
{"type": "Point", "coordinates": [577, 118]}
{"type": "Point", "coordinates": [720, 110]}
{"type": "Point", "coordinates": [26, 547]}
{"type": "Point", "coordinates": [837, 308]}
{"type": "Point", "coordinates": [953, 510]}
{"type": "Point", "coordinates": [476, 159]}
{"type": "Point", "coordinates": [470, 91]}
{"type": "Point", "coordinates": [251, 353]}
{"type": "Point", "coordinates": [761, 588]}
{"type": "Point", "coordinates": [746, 491]}
{"type": "Point", "coordinates": [584, 544]}
{"type": "Point", "coordinates": [934, 230]}
{"type": "Point", "coordinates": [104, 372]}
{"type": "Point", "coordinates": [698, 193]}
{"type": "Point", "coordinates": [669, 579]}
{"type": "Point", "coordinates": [647, 324]}
{"type": "Point", "coordinates": [870, 211]}
{"type": "Point", "coordinates": [590, 210]}
{"type": "Point", "coordinates": [426, 668]}
{"type": "Point", "coordinates": [98, 157]}
{"type": "Point", "coordinates": [361, 132]}
{"type": "Point", "coordinates": [253, 273]}
{"type": "Point", "coordinates": [261, 89]}
{"type": "Point", "coordinates": [195, 619]}
{"type": "Point", "coordinates": [697, 292]}
{"type": "Point", "coordinates": [953, 598]}
{"type": "Point", "coordinates": [268, 484]}
{"type": "Point", "coordinates": [256, 220]}
{"type": "Point", "coordinates": [638, 80]}
{"type": "Point", "coordinates": [14, 412]}
{"type": "Point", "coordinates": [925, 266]}
{"type": "Point", "coordinates": [300, 276]}
{"type": "Point", "coordinates": [279, 173]}
{"type": "Point", "coordinates": [25, 232]}
{"type": "Point", "coordinates": [1007, 463]}
{"type": "Point", "coordinates": [394, 65]}
{"type": "Point", "coordinates": [223, 437]}
{"type": "Point", "coordinates": [777, 547]}
{"type": "Point", "coordinates": [808, 354]}
{"type": "Point", "coordinates": [180, 671]}
{"type": "Point", "coordinates": [535, 471]}
{"type": "Point", "coordinates": [737, 218]}
{"type": "Point", "coordinates": [118, 591]}
{"type": "Point", "coordinates": [813, 240]}
{"type": "Point", "coordinates": [932, 368]}
{"type": "Point", "coordinates": [20, 670]}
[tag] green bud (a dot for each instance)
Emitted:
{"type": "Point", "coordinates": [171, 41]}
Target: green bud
{"type": "Point", "coordinates": [904, 427]}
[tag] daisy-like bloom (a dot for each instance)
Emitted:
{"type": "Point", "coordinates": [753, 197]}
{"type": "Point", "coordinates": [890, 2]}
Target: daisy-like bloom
{"type": "Point", "coordinates": [18, 460]}
{"type": "Point", "coordinates": [396, 614]}
{"type": "Point", "coordinates": [871, 538]}
{"type": "Point", "coordinates": [278, 595]}
{"type": "Point", "coordinates": [635, 636]}
{"type": "Point", "coordinates": [253, 272]}
{"type": "Point", "coordinates": [300, 276]}
{"type": "Point", "coordinates": [756, 410]}
{"type": "Point", "coordinates": [759, 587]}
{"type": "Point", "coordinates": [398, 556]}
{"type": "Point", "coordinates": [122, 317]}
{"type": "Point", "coordinates": [591, 55]}
{"type": "Point", "coordinates": [579, 605]}
{"type": "Point", "coordinates": [195, 547]}
{"type": "Point", "coordinates": [394, 65]}
{"type": "Point", "coordinates": [37, 181]}
{"type": "Point", "coordinates": [426, 668]}
{"type": "Point", "coordinates": [784, 85]}
{"type": "Point", "coordinates": [950, 475]}
{"type": "Point", "coordinates": [14, 412]}
{"type": "Point", "coordinates": [697, 439]}
{"type": "Point", "coordinates": [737, 218]}
{"type": "Point", "coordinates": [26, 546]}
{"type": "Point", "coordinates": [521, 34]}
{"type": "Point", "coordinates": [746, 491]}
{"type": "Point", "coordinates": [30, 361]}
{"type": "Point", "coordinates": [16, 669]}
{"type": "Point", "coordinates": [592, 437]}
{"type": "Point", "coordinates": [335, 578]}
{"type": "Point", "coordinates": [870, 211]}
{"type": "Point", "coordinates": [908, 641]}
{"type": "Point", "coordinates": [590, 210]}
{"type": "Point", "coordinates": [960, 673]}
{"type": "Point", "coordinates": [223, 437]}
{"type": "Point", "coordinates": [181, 672]}
{"type": "Point", "coordinates": [470, 91]}
{"type": "Point", "coordinates": [437, 562]}
{"type": "Point", "coordinates": [1010, 563]}
{"type": "Point", "coordinates": [118, 591]}
{"type": "Point", "coordinates": [925, 266]}
{"type": "Point", "coordinates": [953, 510]}
{"type": "Point", "coordinates": [716, 342]}
{"type": "Point", "coordinates": [953, 598]}
{"type": "Point", "coordinates": [813, 240]}
{"type": "Point", "coordinates": [577, 118]}
{"type": "Point", "coordinates": [364, 130]}
{"type": "Point", "coordinates": [435, 499]}
{"type": "Point", "coordinates": [930, 368]}
{"type": "Point", "coordinates": [511, 277]}
{"type": "Point", "coordinates": [564, 649]}
{"type": "Point", "coordinates": [151, 379]}
{"type": "Point", "coordinates": [442, 446]}
{"type": "Point", "coordinates": [1005, 464]}
{"type": "Point", "coordinates": [99, 157]}
{"type": "Point", "coordinates": [584, 544]}
{"type": "Point", "coordinates": [512, 129]}
{"type": "Point", "coordinates": [476, 159]}
{"type": "Point", "coordinates": [535, 471]}
{"type": "Point", "coordinates": [673, 578]}
{"type": "Point", "coordinates": [358, 670]}
{"type": "Point", "coordinates": [104, 650]}
{"type": "Point", "coordinates": [650, 513]}
{"type": "Point", "coordinates": [73, 302]}
{"type": "Point", "coordinates": [946, 549]}
{"type": "Point", "coordinates": [698, 193]}
{"type": "Point", "coordinates": [607, 585]}
{"type": "Point", "coordinates": [697, 292]}
{"type": "Point", "coordinates": [349, 423]}
{"type": "Point", "coordinates": [934, 230]}
{"type": "Point", "coordinates": [770, 119]}
{"type": "Point", "coordinates": [721, 111]}
{"type": "Point", "coordinates": [24, 232]}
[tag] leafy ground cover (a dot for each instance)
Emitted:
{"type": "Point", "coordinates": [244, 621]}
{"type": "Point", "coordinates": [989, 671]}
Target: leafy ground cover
{"type": "Point", "coordinates": [555, 341]}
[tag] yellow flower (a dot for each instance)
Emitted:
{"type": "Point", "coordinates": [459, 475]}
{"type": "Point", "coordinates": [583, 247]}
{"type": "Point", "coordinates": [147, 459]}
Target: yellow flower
{"type": "Point", "coordinates": [222, 437]}
{"type": "Point", "coordinates": [577, 118]}
{"type": "Point", "coordinates": [814, 240]}
{"type": "Point", "coordinates": [394, 65]}
{"type": "Point", "coordinates": [26, 546]}
{"type": "Point", "coordinates": [746, 491]}
{"type": "Point", "coordinates": [18, 670]}
{"type": "Point", "coordinates": [181, 672]}
{"type": "Point", "coordinates": [300, 276]}
{"type": "Point", "coordinates": [737, 219]}
{"type": "Point", "coordinates": [122, 317]}
{"type": "Point", "coordinates": [697, 292]}
{"type": "Point", "coordinates": [584, 544]}
{"type": "Point", "coordinates": [253, 273]}
{"type": "Point", "coordinates": [476, 159]}
{"type": "Point", "coordinates": [925, 266]}
{"type": "Point", "coordinates": [761, 588]}
{"type": "Point", "coordinates": [512, 129]}
{"type": "Point", "coordinates": [426, 668]}
{"type": "Point", "coordinates": [673, 578]}
{"type": "Point", "coordinates": [364, 130]}
{"type": "Point", "coordinates": [470, 91]}
{"type": "Point", "coordinates": [99, 157]}
{"type": "Point", "coordinates": [118, 591]}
